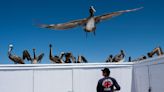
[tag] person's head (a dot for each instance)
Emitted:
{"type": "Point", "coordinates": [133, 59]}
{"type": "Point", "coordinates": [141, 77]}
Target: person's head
{"type": "Point", "coordinates": [105, 72]}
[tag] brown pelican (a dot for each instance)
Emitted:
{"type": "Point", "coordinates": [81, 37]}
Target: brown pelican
{"type": "Point", "coordinates": [35, 59]}
{"type": "Point", "coordinates": [81, 59]}
{"type": "Point", "coordinates": [55, 59]}
{"type": "Point", "coordinates": [89, 24]}
{"type": "Point", "coordinates": [143, 57]}
{"type": "Point", "coordinates": [69, 58]}
{"type": "Point", "coordinates": [130, 59]}
{"type": "Point", "coordinates": [109, 59]}
{"type": "Point", "coordinates": [16, 59]}
{"type": "Point", "coordinates": [73, 58]}
{"type": "Point", "coordinates": [157, 50]}
{"type": "Point", "coordinates": [119, 56]}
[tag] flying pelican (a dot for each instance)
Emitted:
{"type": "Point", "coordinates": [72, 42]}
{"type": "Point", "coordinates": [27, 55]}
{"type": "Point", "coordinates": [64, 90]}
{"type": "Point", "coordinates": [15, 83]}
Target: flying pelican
{"type": "Point", "coordinates": [16, 59]}
{"type": "Point", "coordinates": [35, 59]}
{"type": "Point", "coordinates": [89, 23]}
{"type": "Point", "coordinates": [55, 59]}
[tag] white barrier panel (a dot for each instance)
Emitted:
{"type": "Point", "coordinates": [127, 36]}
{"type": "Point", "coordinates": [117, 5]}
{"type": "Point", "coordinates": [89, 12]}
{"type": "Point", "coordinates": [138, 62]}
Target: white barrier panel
{"type": "Point", "coordinates": [85, 80]}
{"type": "Point", "coordinates": [141, 79]}
{"type": "Point", "coordinates": [157, 77]}
{"type": "Point", "coordinates": [16, 81]}
{"type": "Point", "coordinates": [148, 75]}
{"type": "Point", "coordinates": [53, 80]}
{"type": "Point", "coordinates": [61, 77]}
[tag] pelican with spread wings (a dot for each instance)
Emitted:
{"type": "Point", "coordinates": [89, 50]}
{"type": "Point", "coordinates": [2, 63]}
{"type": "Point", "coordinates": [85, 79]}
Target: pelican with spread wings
{"type": "Point", "coordinates": [35, 59]}
{"type": "Point", "coordinates": [89, 23]}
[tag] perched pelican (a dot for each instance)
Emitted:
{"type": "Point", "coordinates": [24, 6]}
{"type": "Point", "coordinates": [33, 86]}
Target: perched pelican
{"type": "Point", "coordinates": [157, 50]}
{"type": "Point", "coordinates": [73, 58]}
{"type": "Point", "coordinates": [109, 59]}
{"type": "Point", "coordinates": [55, 59]}
{"type": "Point", "coordinates": [89, 24]}
{"type": "Point", "coordinates": [81, 59]}
{"type": "Point", "coordinates": [69, 58]}
{"type": "Point", "coordinates": [16, 59]}
{"type": "Point", "coordinates": [130, 59]}
{"type": "Point", "coordinates": [35, 59]}
{"type": "Point", "coordinates": [119, 56]}
{"type": "Point", "coordinates": [143, 57]}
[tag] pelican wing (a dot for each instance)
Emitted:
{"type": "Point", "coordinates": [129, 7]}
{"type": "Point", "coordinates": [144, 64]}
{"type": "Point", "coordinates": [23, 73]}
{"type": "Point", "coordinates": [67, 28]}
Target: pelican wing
{"type": "Point", "coordinates": [113, 14]}
{"type": "Point", "coordinates": [63, 26]}
{"type": "Point", "coordinates": [56, 59]}
{"type": "Point", "coordinates": [84, 59]}
{"type": "Point", "coordinates": [26, 55]}
{"type": "Point", "coordinates": [40, 57]}
{"type": "Point", "coordinates": [16, 59]}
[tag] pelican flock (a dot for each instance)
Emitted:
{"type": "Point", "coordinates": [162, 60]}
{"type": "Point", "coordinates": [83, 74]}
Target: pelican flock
{"type": "Point", "coordinates": [69, 58]}
{"type": "Point", "coordinates": [89, 23]}
{"type": "Point", "coordinates": [20, 60]}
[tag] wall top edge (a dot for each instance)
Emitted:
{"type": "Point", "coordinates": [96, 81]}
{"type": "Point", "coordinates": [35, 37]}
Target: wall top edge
{"type": "Point", "coordinates": [70, 65]}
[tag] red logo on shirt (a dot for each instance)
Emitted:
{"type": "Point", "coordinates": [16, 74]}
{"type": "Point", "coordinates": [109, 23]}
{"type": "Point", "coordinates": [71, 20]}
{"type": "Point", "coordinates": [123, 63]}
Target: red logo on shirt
{"type": "Point", "coordinates": [107, 83]}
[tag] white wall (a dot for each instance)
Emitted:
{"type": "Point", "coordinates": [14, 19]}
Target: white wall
{"type": "Point", "coordinates": [53, 80]}
{"type": "Point", "coordinates": [141, 79]}
{"type": "Point", "coordinates": [82, 77]}
{"type": "Point", "coordinates": [157, 77]}
{"type": "Point", "coordinates": [16, 81]}
{"type": "Point", "coordinates": [61, 77]}
{"type": "Point", "coordinates": [149, 74]}
{"type": "Point", "coordinates": [85, 80]}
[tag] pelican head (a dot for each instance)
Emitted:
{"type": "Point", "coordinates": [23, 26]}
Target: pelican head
{"type": "Point", "coordinates": [33, 49]}
{"type": "Point", "coordinates": [62, 52]}
{"type": "Point", "coordinates": [122, 51]}
{"type": "Point", "coordinates": [11, 46]}
{"type": "Point", "coordinates": [93, 9]}
{"type": "Point", "coordinates": [50, 45]}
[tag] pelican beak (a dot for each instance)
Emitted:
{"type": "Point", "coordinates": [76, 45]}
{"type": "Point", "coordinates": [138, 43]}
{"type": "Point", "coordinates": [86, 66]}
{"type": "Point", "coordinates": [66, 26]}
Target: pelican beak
{"type": "Point", "coordinates": [93, 8]}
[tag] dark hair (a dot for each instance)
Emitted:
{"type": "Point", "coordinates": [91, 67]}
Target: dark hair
{"type": "Point", "coordinates": [106, 70]}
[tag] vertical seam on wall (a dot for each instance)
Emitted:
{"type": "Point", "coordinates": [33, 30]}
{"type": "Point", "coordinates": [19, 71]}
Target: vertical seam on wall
{"type": "Point", "coordinates": [133, 80]}
{"type": "Point", "coordinates": [72, 80]}
{"type": "Point", "coordinates": [149, 76]}
{"type": "Point", "coordinates": [33, 81]}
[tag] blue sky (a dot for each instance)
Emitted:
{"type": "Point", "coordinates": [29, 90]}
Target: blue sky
{"type": "Point", "coordinates": [136, 32]}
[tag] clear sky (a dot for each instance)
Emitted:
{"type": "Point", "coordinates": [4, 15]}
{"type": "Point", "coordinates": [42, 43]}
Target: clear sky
{"type": "Point", "coordinates": [136, 32]}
